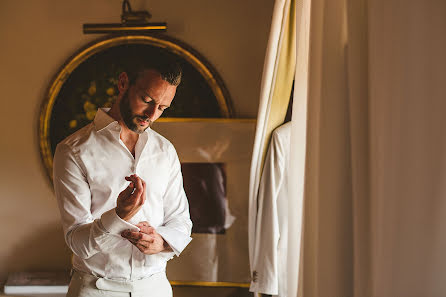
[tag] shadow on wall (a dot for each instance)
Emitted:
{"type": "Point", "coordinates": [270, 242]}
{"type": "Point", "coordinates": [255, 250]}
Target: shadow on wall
{"type": "Point", "coordinates": [44, 249]}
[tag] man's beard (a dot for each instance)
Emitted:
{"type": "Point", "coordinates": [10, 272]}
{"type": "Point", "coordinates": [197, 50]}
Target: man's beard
{"type": "Point", "coordinates": [129, 118]}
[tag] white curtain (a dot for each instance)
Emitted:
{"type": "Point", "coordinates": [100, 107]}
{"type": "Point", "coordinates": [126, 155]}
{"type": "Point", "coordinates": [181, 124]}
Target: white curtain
{"type": "Point", "coordinates": [329, 152]}
{"type": "Point", "coordinates": [369, 146]}
{"type": "Point", "coordinates": [298, 150]}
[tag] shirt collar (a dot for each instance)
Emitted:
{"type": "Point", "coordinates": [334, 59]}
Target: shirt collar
{"type": "Point", "coordinates": [102, 119]}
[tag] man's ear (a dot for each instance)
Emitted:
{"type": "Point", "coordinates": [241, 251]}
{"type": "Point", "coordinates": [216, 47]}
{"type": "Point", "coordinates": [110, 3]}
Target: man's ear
{"type": "Point", "coordinates": [123, 82]}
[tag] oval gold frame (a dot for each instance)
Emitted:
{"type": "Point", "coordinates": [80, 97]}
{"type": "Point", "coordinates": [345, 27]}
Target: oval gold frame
{"type": "Point", "coordinates": [162, 41]}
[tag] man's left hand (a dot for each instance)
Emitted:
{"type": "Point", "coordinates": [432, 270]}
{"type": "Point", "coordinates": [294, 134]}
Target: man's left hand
{"type": "Point", "coordinates": [148, 241]}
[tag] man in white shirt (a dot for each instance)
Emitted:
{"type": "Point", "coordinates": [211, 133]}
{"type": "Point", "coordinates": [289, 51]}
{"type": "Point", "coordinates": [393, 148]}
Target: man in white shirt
{"type": "Point", "coordinates": [120, 190]}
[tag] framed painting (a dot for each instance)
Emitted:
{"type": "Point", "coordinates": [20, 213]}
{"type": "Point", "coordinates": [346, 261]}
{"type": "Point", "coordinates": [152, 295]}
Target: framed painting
{"type": "Point", "coordinates": [88, 80]}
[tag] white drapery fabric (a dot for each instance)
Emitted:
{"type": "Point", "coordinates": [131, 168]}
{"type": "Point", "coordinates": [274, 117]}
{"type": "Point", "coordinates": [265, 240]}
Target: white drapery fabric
{"type": "Point", "coordinates": [375, 157]}
{"type": "Point", "coordinates": [368, 155]}
{"type": "Point", "coordinates": [298, 151]}
{"type": "Point", "coordinates": [329, 153]}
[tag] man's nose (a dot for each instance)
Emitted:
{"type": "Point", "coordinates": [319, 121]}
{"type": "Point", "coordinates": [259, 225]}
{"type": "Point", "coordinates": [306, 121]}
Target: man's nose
{"type": "Point", "coordinates": [150, 111]}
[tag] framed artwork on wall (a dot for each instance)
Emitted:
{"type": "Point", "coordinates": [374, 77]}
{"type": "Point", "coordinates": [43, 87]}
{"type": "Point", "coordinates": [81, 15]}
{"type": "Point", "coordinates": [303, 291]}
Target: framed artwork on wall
{"type": "Point", "coordinates": [88, 80]}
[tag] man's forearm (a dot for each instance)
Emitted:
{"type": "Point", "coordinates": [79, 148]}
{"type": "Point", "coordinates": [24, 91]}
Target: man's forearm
{"type": "Point", "coordinates": [89, 239]}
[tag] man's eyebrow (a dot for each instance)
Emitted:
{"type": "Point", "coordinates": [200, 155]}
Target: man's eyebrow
{"type": "Point", "coordinates": [146, 95]}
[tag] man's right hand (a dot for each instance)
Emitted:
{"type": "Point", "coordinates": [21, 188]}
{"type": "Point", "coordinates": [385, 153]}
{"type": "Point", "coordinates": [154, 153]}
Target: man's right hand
{"type": "Point", "coordinates": [128, 203]}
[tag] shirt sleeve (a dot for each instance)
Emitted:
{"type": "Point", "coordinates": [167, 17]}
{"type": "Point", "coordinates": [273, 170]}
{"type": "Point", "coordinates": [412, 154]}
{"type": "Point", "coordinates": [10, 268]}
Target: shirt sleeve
{"type": "Point", "coordinates": [265, 260]}
{"type": "Point", "coordinates": [84, 235]}
{"type": "Point", "coordinates": [177, 226]}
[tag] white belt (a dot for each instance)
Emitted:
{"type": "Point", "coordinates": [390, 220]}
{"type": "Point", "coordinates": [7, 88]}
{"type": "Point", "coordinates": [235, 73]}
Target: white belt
{"type": "Point", "coordinates": [122, 285]}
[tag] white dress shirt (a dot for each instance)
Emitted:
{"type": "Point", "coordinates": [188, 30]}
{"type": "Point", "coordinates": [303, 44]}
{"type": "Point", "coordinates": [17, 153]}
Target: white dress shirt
{"type": "Point", "coordinates": [89, 170]}
{"type": "Point", "coordinates": [270, 248]}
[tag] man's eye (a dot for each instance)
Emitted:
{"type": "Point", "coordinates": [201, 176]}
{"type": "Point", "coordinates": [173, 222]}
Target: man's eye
{"type": "Point", "coordinates": [145, 99]}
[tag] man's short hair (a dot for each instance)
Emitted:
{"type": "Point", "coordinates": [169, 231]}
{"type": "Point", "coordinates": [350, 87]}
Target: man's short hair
{"type": "Point", "coordinates": [166, 64]}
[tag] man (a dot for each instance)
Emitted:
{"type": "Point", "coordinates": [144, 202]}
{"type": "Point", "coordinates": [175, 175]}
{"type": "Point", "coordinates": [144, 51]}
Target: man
{"type": "Point", "coordinates": [120, 190]}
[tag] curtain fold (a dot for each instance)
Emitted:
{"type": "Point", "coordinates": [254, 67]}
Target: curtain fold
{"type": "Point", "coordinates": [329, 153]}
{"type": "Point", "coordinates": [298, 150]}
{"type": "Point", "coordinates": [373, 194]}
{"type": "Point", "coordinates": [358, 104]}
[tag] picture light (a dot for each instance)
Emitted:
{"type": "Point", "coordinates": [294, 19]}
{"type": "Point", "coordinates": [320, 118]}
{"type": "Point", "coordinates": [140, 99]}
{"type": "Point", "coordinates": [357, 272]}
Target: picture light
{"type": "Point", "coordinates": [131, 22]}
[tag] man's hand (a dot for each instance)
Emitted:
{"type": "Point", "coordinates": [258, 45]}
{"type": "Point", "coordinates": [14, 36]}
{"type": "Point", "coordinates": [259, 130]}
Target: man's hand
{"type": "Point", "coordinates": [148, 241]}
{"type": "Point", "coordinates": [132, 198]}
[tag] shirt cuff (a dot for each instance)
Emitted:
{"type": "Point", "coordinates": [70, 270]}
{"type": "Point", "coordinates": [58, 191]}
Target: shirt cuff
{"type": "Point", "coordinates": [166, 255]}
{"type": "Point", "coordinates": [176, 239]}
{"type": "Point", "coordinates": [114, 224]}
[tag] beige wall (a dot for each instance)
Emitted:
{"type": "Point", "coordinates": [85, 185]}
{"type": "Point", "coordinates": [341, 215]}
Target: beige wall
{"type": "Point", "coordinates": [37, 37]}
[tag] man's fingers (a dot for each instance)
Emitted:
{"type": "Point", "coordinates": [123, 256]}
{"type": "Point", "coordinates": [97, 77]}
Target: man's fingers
{"type": "Point", "coordinates": [138, 194]}
{"type": "Point", "coordinates": [131, 198]}
{"type": "Point", "coordinates": [141, 247]}
{"type": "Point", "coordinates": [133, 179]}
{"type": "Point", "coordinates": [127, 191]}
{"type": "Point", "coordinates": [147, 229]}
{"type": "Point", "coordinates": [137, 236]}
{"type": "Point", "coordinates": [137, 182]}
{"type": "Point", "coordinates": [131, 184]}
{"type": "Point", "coordinates": [143, 223]}
{"type": "Point", "coordinates": [142, 244]}
{"type": "Point", "coordinates": [145, 245]}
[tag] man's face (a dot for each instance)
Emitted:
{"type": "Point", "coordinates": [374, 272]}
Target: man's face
{"type": "Point", "coordinates": [144, 101]}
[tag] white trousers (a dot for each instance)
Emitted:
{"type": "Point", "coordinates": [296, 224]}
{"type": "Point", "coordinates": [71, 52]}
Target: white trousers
{"type": "Point", "coordinates": [86, 285]}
